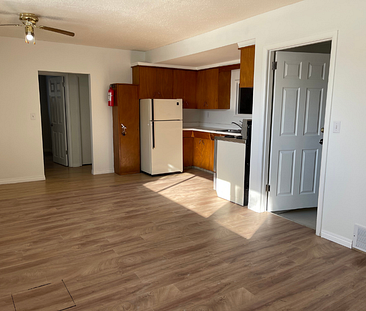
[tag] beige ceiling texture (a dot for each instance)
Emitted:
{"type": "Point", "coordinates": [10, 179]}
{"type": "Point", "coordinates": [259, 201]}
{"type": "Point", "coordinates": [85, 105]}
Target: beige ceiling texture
{"type": "Point", "coordinates": [131, 24]}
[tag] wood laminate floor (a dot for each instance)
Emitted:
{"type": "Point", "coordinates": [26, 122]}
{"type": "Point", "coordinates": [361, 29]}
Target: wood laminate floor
{"type": "Point", "coordinates": [108, 242]}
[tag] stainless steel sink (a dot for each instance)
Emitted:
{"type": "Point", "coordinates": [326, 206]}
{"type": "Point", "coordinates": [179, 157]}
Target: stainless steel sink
{"type": "Point", "coordinates": [230, 131]}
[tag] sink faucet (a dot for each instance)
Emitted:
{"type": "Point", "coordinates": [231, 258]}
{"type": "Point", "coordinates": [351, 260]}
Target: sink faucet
{"type": "Point", "coordinates": [240, 125]}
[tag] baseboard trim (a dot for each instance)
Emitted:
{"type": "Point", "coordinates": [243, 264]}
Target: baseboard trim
{"type": "Point", "coordinates": [21, 179]}
{"type": "Point", "coordinates": [336, 238]}
{"type": "Point", "coordinates": [102, 172]}
{"type": "Point", "coordinates": [199, 168]}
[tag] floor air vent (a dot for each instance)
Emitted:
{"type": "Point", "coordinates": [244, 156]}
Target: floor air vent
{"type": "Point", "coordinates": [359, 238]}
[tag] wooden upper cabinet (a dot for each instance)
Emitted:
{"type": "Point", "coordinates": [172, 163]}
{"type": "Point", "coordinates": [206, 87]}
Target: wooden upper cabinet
{"type": "Point", "coordinates": [154, 82]}
{"type": "Point", "coordinates": [247, 66]}
{"type": "Point", "coordinates": [213, 87]}
{"type": "Point", "coordinates": [207, 89]}
{"type": "Point", "coordinates": [203, 89]}
{"type": "Point", "coordinates": [184, 86]}
{"type": "Point", "coordinates": [126, 147]}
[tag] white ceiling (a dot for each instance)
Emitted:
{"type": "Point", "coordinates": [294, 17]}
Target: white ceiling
{"type": "Point", "coordinates": [131, 24]}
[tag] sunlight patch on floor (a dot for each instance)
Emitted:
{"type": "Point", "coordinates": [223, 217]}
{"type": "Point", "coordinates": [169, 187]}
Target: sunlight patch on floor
{"type": "Point", "coordinates": [198, 199]}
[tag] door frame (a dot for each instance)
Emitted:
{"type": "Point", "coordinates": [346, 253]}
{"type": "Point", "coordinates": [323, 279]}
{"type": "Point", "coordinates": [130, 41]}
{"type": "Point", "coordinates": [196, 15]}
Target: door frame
{"type": "Point", "coordinates": [269, 52]}
{"type": "Point", "coordinates": [65, 75]}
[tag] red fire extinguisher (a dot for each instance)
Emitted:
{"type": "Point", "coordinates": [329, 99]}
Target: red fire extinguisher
{"type": "Point", "coordinates": [110, 96]}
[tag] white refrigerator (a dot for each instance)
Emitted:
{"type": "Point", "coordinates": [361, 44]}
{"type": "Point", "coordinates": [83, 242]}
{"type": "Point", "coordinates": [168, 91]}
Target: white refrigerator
{"type": "Point", "coordinates": [161, 136]}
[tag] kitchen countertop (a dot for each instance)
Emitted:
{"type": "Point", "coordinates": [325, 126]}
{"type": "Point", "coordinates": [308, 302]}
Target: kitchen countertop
{"type": "Point", "coordinates": [210, 130]}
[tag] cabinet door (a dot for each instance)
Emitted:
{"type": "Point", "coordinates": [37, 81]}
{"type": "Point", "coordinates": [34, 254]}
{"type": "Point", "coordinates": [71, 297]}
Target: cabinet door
{"type": "Point", "coordinates": [207, 88]}
{"type": "Point", "coordinates": [187, 151]}
{"type": "Point", "coordinates": [126, 147]}
{"type": "Point", "coordinates": [154, 82]}
{"type": "Point", "coordinates": [202, 153]}
{"type": "Point", "coordinates": [224, 89]}
{"type": "Point", "coordinates": [146, 78]}
{"type": "Point", "coordinates": [247, 66]}
{"type": "Point", "coordinates": [184, 86]}
{"type": "Point", "coordinates": [163, 83]}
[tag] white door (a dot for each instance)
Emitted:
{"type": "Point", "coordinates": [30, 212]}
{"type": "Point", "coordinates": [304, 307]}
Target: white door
{"type": "Point", "coordinates": [58, 121]}
{"type": "Point", "coordinates": [300, 87]}
{"type": "Point", "coordinates": [167, 153]}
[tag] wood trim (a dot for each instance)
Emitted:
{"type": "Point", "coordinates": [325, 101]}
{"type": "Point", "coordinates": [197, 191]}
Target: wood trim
{"type": "Point", "coordinates": [202, 135]}
{"type": "Point", "coordinates": [229, 68]}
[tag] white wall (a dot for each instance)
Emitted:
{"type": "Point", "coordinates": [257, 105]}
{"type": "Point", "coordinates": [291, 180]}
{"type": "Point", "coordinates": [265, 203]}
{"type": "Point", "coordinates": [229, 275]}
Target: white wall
{"type": "Point", "coordinates": [344, 201]}
{"type": "Point", "coordinates": [21, 157]}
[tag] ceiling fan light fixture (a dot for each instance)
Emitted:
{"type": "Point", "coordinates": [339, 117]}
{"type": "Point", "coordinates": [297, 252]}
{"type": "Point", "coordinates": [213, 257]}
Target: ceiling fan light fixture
{"type": "Point", "coordinates": [29, 34]}
{"type": "Point", "coordinates": [29, 21]}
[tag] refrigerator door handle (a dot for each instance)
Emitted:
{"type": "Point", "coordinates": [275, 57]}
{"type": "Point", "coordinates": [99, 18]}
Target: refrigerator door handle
{"type": "Point", "coordinates": [152, 110]}
{"type": "Point", "coordinates": [153, 134]}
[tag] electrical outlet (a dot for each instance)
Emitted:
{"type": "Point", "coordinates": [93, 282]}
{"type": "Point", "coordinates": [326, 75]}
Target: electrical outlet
{"type": "Point", "coordinates": [32, 116]}
{"type": "Point", "coordinates": [208, 114]}
{"type": "Point", "coordinates": [336, 126]}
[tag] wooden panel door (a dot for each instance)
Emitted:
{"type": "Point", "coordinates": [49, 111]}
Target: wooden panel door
{"type": "Point", "coordinates": [184, 86]}
{"type": "Point", "coordinates": [224, 87]}
{"type": "Point", "coordinates": [207, 88]}
{"type": "Point", "coordinates": [187, 151]}
{"type": "Point", "coordinates": [146, 78]}
{"type": "Point", "coordinates": [164, 83]}
{"type": "Point", "coordinates": [187, 148]}
{"type": "Point", "coordinates": [202, 149]}
{"type": "Point", "coordinates": [247, 66]}
{"type": "Point", "coordinates": [126, 112]}
{"type": "Point", "coordinates": [154, 82]}
{"type": "Point", "coordinates": [300, 89]}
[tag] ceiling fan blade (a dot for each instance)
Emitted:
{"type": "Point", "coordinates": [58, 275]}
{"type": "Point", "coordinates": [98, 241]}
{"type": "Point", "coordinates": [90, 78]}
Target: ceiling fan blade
{"type": "Point", "coordinates": [63, 32]}
{"type": "Point", "coordinates": [11, 25]}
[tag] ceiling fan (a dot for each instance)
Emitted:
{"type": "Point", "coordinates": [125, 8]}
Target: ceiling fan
{"type": "Point", "coordinates": [29, 21]}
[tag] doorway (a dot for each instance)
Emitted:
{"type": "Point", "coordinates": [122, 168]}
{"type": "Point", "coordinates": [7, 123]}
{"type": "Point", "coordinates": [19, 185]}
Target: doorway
{"type": "Point", "coordinates": [65, 115]}
{"type": "Point", "coordinates": [299, 91]}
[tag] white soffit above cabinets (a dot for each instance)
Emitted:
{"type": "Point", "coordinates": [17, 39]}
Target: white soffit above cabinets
{"type": "Point", "coordinates": [132, 25]}
{"type": "Point", "coordinates": [226, 55]}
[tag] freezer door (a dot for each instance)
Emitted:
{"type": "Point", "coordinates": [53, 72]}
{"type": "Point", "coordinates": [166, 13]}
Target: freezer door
{"type": "Point", "coordinates": [167, 109]}
{"type": "Point", "coordinates": [167, 153]}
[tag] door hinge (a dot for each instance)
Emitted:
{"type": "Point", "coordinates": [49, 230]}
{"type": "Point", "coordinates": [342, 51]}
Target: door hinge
{"type": "Point", "coordinates": [274, 65]}
{"type": "Point", "coordinates": [67, 152]}
{"type": "Point", "coordinates": [268, 188]}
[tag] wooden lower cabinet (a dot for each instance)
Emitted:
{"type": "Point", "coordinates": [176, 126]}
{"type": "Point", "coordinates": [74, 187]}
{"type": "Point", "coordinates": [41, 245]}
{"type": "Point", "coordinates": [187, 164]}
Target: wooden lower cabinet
{"type": "Point", "coordinates": [199, 149]}
{"type": "Point", "coordinates": [202, 151]}
{"type": "Point", "coordinates": [187, 151]}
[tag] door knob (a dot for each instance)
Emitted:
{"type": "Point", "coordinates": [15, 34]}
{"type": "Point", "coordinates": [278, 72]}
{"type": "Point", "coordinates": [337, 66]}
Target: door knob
{"type": "Point", "coordinates": [321, 141]}
{"type": "Point", "coordinates": [124, 128]}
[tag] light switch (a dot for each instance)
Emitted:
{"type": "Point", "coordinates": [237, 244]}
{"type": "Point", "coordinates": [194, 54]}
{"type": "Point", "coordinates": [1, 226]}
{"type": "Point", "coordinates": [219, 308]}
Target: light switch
{"type": "Point", "coordinates": [33, 116]}
{"type": "Point", "coordinates": [336, 126]}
